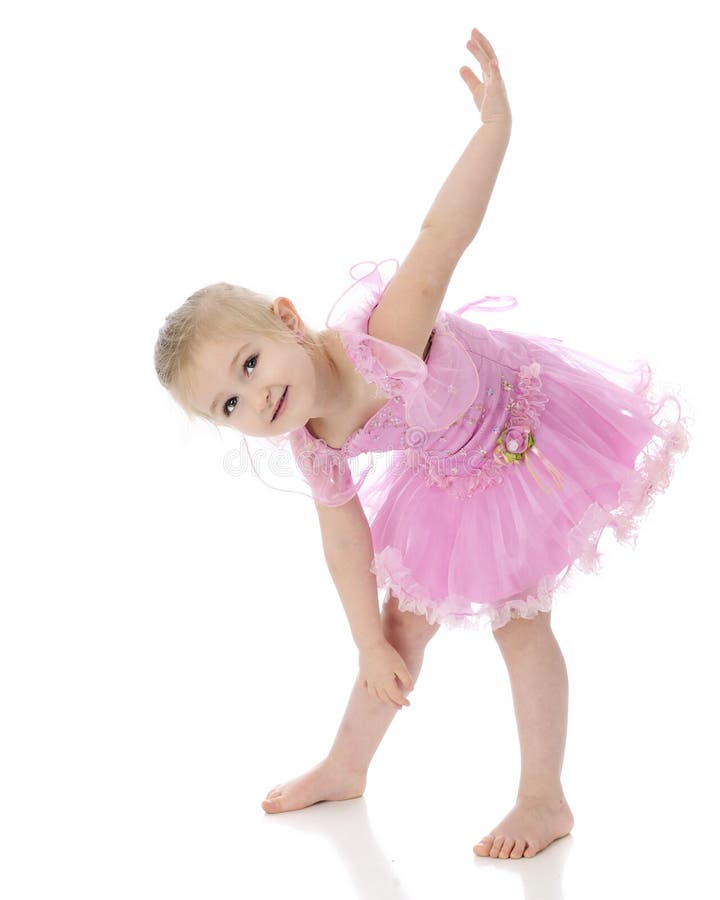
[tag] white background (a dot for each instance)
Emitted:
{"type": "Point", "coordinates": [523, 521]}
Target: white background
{"type": "Point", "coordinates": [171, 645]}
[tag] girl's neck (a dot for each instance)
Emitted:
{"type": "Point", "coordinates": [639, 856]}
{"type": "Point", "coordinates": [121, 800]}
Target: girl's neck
{"type": "Point", "coordinates": [340, 389]}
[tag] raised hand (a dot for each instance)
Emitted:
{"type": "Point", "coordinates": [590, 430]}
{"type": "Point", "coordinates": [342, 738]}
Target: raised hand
{"type": "Point", "coordinates": [489, 94]}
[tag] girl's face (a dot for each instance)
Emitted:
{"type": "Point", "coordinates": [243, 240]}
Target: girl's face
{"type": "Point", "coordinates": [239, 381]}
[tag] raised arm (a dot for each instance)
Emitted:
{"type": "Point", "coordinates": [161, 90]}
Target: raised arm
{"type": "Point", "coordinates": [460, 205]}
{"type": "Point", "coordinates": [406, 313]}
{"type": "Point", "coordinates": [459, 208]}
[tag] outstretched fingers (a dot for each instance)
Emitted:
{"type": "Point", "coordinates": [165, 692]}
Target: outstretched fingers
{"type": "Point", "coordinates": [479, 44]}
{"type": "Point", "coordinates": [483, 52]}
{"type": "Point", "coordinates": [489, 93]}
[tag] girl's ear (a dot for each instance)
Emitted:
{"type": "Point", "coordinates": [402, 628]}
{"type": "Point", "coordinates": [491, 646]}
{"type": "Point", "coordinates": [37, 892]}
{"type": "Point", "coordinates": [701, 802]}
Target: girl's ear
{"type": "Point", "coordinates": [284, 308]}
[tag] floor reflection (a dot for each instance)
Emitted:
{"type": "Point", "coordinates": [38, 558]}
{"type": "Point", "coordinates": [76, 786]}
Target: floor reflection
{"type": "Point", "coordinates": [346, 826]}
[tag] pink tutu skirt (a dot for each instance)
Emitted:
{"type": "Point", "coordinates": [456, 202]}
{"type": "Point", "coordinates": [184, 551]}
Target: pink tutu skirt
{"type": "Point", "coordinates": [610, 439]}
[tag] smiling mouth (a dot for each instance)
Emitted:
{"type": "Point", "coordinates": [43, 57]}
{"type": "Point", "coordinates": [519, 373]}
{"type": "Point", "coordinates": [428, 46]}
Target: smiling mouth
{"type": "Point", "coordinates": [279, 406]}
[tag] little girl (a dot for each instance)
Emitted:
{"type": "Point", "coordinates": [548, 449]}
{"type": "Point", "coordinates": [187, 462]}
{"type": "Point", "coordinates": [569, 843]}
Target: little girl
{"type": "Point", "coordinates": [510, 455]}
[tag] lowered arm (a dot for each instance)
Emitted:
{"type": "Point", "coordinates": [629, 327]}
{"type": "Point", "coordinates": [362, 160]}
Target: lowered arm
{"type": "Point", "coordinates": [347, 543]}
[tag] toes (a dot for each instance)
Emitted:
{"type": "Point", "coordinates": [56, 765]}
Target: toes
{"type": "Point", "coordinates": [497, 846]}
{"type": "Point", "coordinates": [483, 848]}
{"type": "Point", "coordinates": [274, 790]}
{"type": "Point", "coordinates": [506, 848]}
{"type": "Point", "coordinates": [272, 805]}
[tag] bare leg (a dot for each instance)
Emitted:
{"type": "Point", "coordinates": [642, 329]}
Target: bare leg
{"type": "Point", "coordinates": [366, 720]}
{"type": "Point", "coordinates": [342, 774]}
{"type": "Point", "coordinates": [538, 677]}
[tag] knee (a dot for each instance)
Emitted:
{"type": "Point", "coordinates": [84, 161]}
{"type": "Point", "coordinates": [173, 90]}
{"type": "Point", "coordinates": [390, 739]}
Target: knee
{"type": "Point", "coordinates": [410, 629]}
{"type": "Point", "coordinates": [519, 631]}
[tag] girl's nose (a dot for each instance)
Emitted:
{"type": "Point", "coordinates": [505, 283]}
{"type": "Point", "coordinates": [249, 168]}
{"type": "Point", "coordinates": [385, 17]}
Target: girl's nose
{"type": "Point", "coordinates": [262, 401]}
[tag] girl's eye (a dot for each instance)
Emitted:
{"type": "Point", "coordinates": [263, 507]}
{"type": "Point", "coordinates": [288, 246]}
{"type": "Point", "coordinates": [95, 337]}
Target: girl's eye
{"type": "Point", "coordinates": [227, 410]}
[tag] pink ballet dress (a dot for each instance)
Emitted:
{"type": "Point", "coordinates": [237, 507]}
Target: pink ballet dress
{"type": "Point", "coordinates": [495, 465]}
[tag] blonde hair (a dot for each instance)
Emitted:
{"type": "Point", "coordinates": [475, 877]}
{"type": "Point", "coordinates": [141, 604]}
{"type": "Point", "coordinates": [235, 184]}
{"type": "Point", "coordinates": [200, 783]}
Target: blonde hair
{"type": "Point", "coordinates": [218, 312]}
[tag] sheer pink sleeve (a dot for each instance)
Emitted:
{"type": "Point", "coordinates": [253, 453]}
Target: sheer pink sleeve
{"type": "Point", "coordinates": [327, 471]}
{"type": "Point", "coordinates": [296, 463]}
{"type": "Point", "coordinates": [434, 396]}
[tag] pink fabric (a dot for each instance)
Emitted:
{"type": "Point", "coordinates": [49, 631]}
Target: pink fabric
{"type": "Point", "coordinates": [495, 466]}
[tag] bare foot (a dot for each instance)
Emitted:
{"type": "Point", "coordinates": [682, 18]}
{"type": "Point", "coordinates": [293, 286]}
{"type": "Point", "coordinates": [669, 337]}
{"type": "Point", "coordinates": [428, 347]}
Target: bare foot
{"type": "Point", "coordinates": [326, 781]}
{"type": "Point", "coordinates": [528, 828]}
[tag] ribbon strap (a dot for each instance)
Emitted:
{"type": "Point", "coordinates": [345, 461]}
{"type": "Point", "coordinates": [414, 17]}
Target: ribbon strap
{"type": "Point", "coordinates": [500, 307]}
{"type": "Point", "coordinates": [554, 472]}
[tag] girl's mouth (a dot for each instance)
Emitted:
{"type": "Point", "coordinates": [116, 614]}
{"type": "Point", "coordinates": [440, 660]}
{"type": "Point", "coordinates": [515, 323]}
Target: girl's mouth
{"type": "Point", "coordinates": [282, 405]}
